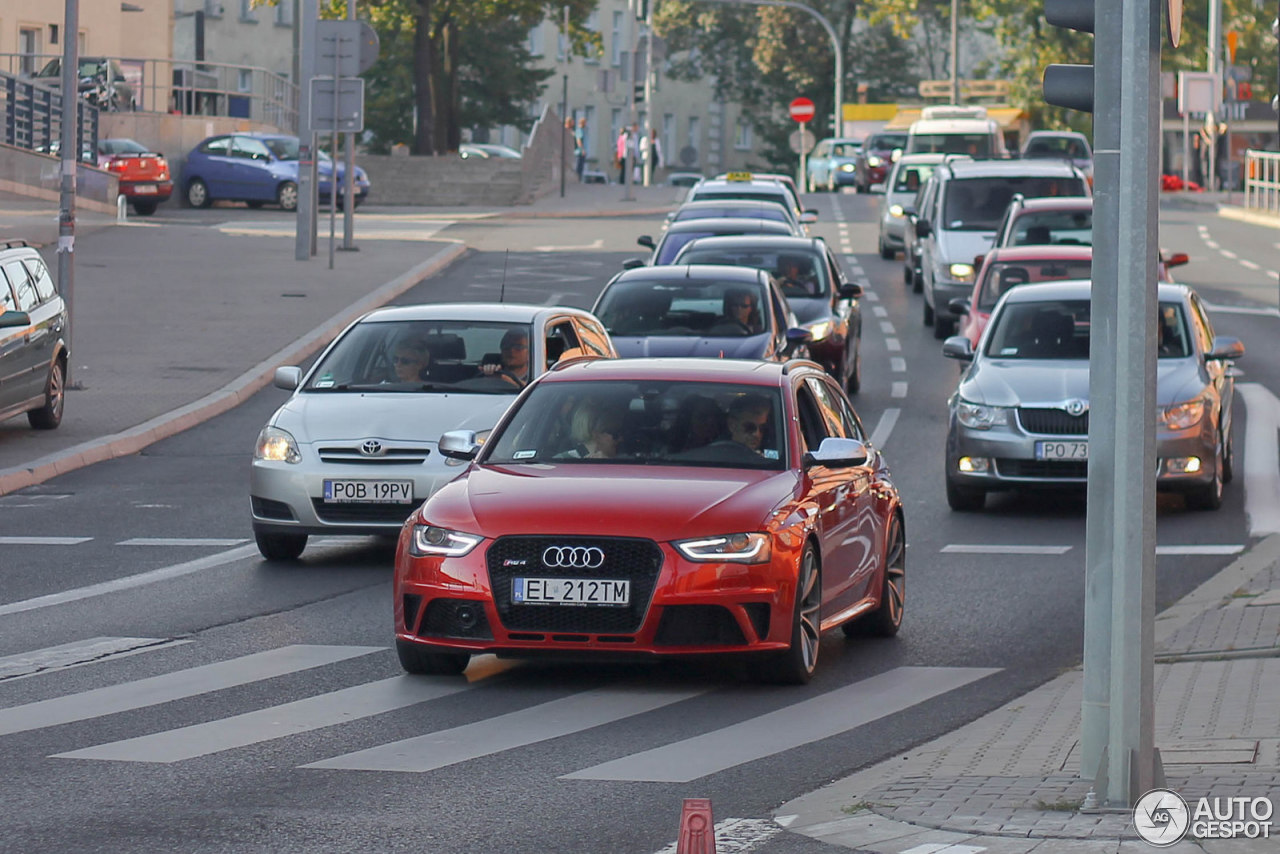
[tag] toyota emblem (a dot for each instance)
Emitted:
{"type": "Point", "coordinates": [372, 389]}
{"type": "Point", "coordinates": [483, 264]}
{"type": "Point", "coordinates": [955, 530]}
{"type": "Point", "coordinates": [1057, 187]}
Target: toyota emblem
{"type": "Point", "coordinates": [371, 448]}
{"type": "Point", "coordinates": [573, 557]}
{"type": "Point", "coordinates": [1076, 407]}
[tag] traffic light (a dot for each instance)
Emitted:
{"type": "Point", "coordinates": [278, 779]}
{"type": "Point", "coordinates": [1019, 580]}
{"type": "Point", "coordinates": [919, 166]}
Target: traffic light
{"type": "Point", "coordinates": [1069, 86]}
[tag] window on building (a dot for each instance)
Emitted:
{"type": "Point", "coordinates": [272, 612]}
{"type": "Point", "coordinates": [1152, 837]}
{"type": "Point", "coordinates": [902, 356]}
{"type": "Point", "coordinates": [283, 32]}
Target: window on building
{"type": "Point", "coordinates": [28, 50]}
{"type": "Point", "coordinates": [615, 57]}
{"type": "Point", "coordinates": [244, 81]}
{"type": "Point", "coordinates": [693, 137]}
{"type": "Point", "coordinates": [213, 8]}
{"type": "Point", "coordinates": [669, 150]}
{"type": "Point", "coordinates": [284, 13]}
{"type": "Point", "coordinates": [246, 11]}
{"type": "Point", "coordinates": [592, 24]}
{"type": "Point", "coordinates": [742, 135]}
{"type": "Point", "coordinates": [535, 39]}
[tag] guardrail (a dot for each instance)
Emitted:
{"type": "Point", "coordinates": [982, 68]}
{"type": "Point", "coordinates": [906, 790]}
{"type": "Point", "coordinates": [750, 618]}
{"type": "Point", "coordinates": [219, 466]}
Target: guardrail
{"type": "Point", "coordinates": [33, 119]}
{"type": "Point", "coordinates": [1262, 181]}
{"type": "Point", "coordinates": [187, 87]}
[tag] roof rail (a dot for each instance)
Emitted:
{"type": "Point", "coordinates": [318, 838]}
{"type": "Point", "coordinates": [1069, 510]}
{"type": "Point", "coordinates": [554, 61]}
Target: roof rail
{"type": "Point", "coordinates": [952, 111]}
{"type": "Point", "coordinates": [952, 158]}
{"type": "Point", "coordinates": [12, 243]}
{"type": "Point", "coordinates": [798, 362]}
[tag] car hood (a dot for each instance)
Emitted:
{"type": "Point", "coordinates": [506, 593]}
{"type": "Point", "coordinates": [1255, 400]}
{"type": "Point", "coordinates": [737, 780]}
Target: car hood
{"type": "Point", "coordinates": [1048, 382]}
{"type": "Point", "coordinates": [961, 247]}
{"type": "Point", "coordinates": [603, 500]}
{"type": "Point", "coordinates": [751, 347]}
{"type": "Point", "coordinates": [347, 416]}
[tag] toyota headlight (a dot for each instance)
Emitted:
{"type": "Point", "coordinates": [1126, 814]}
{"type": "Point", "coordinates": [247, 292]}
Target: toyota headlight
{"type": "Point", "coordinates": [961, 272]}
{"type": "Point", "coordinates": [433, 540]}
{"type": "Point", "coordinates": [978, 416]}
{"type": "Point", "coordinates": [874, 161]}
{"type": "Point", "coordinates": [1180, 416]}
{"type": "Point", "coordinates": [277, 446]}
{"type": "Point", "coordinates": [896, 211]}
{"type": "Point", "coordinates": [736, 548]}
{"type": "Point", "coordinates": [819, 330]}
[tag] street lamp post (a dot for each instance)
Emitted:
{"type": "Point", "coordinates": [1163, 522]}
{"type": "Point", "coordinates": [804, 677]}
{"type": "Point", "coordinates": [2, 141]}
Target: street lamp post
{"type": "Point", "coordinates": [838, 106]}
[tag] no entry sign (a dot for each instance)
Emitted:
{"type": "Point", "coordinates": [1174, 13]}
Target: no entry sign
{"type": "Point", "coordinates": [801, 110]}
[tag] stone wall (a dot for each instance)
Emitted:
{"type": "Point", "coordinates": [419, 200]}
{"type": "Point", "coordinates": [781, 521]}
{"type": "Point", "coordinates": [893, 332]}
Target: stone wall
{"type": "Point", "coordinates": [38, 176]}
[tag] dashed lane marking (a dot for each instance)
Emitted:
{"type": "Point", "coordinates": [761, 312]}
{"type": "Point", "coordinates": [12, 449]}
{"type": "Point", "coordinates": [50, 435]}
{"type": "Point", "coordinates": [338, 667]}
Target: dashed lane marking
{"type": "Point", "coordinates": [990, 549]}
{"type": "Point", "coordinates": [43, 541]}
{"type": "Point", "coordinates": [898, 365]}
{"type": "Point", "coordinates": [884, 427]}
{"type": "Point", "coordinates": [181, 541]}
{"type": "Point", "coordinates": [898, 390]}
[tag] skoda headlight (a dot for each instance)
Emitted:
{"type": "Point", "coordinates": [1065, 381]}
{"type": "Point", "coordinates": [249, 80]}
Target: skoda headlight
{"type": "Point", "coordinates": [978, 416]}
{"type": "Point", "coordinates": [896, 211]}
{"type": "Point", "coordinates": [277, 446]}
{"type": "Point", "coordinates": [874, 161]}
{"type": "Point", "coordinates": [1180, 416]}
{"type": "Point", "coordinates": [961, 272]}
{"type": "Point", "coordinates": [480, 438]}
{"type": "Point", "coordinates": [736, 548]}
{"type": "Point", "coordinates": [819, 330]}
{"type": "Point", "coordinates": [432, 540]}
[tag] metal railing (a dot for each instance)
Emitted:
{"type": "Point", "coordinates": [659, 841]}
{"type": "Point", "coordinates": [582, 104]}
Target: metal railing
{"type": "Point", "coordinates": [1262, 180]}
{"type": "Point", "coordinates": [188, 87]}
{"type": "Point", "coordinates": [33, 118]}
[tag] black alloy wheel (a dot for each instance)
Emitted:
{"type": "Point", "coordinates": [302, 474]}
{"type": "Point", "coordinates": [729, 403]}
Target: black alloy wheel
{"type": "Point", "coordinates": [885, 620]}
{"type": "Point", "coordinates": [49, 416]}
{"type": "Point", "coordinates": [796, 664]}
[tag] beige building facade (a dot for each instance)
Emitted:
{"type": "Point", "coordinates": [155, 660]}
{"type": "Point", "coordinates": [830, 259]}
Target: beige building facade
{"type": "Point", "coordinates": [32, 31]}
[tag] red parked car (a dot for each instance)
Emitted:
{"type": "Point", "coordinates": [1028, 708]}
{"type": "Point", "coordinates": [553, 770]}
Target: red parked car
{"type": "Point", "coordinates": [1010, 266]}
{"type": "Point", "coordinates": [144, 174]}
{"type": "Point", "coordinates": [657, 507]}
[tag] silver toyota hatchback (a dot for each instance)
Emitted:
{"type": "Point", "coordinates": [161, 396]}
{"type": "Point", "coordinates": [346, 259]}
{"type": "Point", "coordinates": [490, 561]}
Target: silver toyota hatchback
{"type": "Point", "coordinates": [353, 450]}
{"type": "Point", "coordinates": [1020, 416]}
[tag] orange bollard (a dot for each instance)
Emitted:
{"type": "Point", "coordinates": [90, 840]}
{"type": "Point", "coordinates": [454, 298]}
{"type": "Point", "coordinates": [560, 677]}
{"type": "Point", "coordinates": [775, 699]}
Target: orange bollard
{"type": "Point", "coordinates": [697, 833]}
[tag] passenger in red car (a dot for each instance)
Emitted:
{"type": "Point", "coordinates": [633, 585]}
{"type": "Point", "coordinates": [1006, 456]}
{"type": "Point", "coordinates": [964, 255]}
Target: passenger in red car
{"type": "Point", "coordinates": [597, 431]}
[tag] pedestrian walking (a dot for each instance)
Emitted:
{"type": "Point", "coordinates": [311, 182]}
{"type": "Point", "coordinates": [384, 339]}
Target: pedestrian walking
{"type": "Point", "coordinates": [580, 148]}
{"type": "Point", "coordinates": [620, 158]}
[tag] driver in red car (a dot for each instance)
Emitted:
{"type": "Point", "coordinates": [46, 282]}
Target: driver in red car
{"type": "Point", "coordinates": [748, 418]}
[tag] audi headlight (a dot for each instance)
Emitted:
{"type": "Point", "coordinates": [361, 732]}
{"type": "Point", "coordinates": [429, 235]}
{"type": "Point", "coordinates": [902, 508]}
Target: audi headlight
{"type": "Point", "coordinates": [874, 161]}
{"type": "Point", "coordinates": [846, 167]}
{"type": "Point", "coordinates": [978, 416]}
{"type": "Point", "coordinates": [480, 438]}
{"type": "Point", "coordinates": [277, 446]}
{"type": "Point", "coordinates": [1180, 416]}
{"type": "Point", "coordinates": [432, 540]}
{"type": "Point", "coordinates": [896, 211]}
{"type": "Point", "coordinates": [738, 548]}
{"type": "Point", "coordinates": [819, 330]}
{"type": "Point", "coordinates": [961, 272]}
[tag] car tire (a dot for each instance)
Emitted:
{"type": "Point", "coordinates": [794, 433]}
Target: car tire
{"type": "Point", "coordinates": [287, 196]}
{"type": "Point", "coordinates": [1209, 497]}
{"type": "Point", "coordinates": [887, 252]}
{"type": "Point", "coordinates": [965, 499]}
{"type": "Point", "coordinates": [419, 660]}
{"type": "Point", "coordinates": [928, 314]}
{"type": "Point", "coordinates": [917, 282]}
{"type": "Point", "coordinates": [908, 275]}
{"type": "Point", "coordinates": [198, 194]}
{"type": "Point", "coordinates": [1228, 459]}
{"type": "Point", "coordinates": [853, 377]}
{"type": "Point", "coordinates": [795, 665]}
{"type": "Point", "coordinates": [144, 208]}
{"type": "Point", "coordinates": [885, 620]}
{"type": "Point", "coordinates": [49, 416]}
{"type": "Point", "coordinates": [276, 546]}
{"type": "Point", "coordinates": [942, 327]}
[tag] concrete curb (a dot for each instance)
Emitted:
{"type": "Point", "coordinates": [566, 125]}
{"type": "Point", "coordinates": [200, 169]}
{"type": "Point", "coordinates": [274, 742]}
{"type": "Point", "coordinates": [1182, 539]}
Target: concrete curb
{"type": "Point", "coordinates": [1250, 216]}
{"type": "Point", "coordinates": [231, 395]}
{"type": "Point", "coordinates": [1213, 593]}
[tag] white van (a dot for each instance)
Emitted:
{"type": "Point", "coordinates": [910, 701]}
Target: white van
{"type": "Point", "coordinates": [956, 130]}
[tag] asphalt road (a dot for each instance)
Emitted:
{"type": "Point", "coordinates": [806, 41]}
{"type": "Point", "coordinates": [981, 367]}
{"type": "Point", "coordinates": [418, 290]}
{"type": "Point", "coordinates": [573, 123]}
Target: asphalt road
{"type": "Point", "coordinates": [149, 742]}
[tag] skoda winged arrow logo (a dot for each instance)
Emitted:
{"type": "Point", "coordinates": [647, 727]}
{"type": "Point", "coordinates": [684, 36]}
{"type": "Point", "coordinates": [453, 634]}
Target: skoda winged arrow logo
{"type": "Point", "coordinates": [371, 448]}
{"type": "Point", "coordinates": [1076, 407]}
{"type": "Point", "coordinates": [573, 557]}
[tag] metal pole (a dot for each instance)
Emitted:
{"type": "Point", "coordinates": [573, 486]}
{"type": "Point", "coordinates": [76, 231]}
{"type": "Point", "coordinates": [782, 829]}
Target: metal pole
{"type": "Point", "coordinates": [304, 230]}
{"type": "Point", "coordinates": [955, 51]}
{"type": "Point", "coordinates": [627, 154]}
{"type": "Point", "coordinates": [70, 154]}
{"type": "Point", "coordinates": [349, 167]}
{"type": "Point", "coordinates": [648, 93]}
{"type": "Point", "coordinates": [564, 129]}
{"type": "Point", "coordinates": [1215, 68]}
{"type": "Point", "coordinates": [333, 146]}
{"type": "Point", "coordinates": [803, 156]}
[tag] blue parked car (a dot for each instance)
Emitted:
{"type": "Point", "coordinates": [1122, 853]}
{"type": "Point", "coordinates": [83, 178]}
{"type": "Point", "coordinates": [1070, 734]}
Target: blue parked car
{"type": "Point", "coordinates": [257, 168]}
{"type": "Point", "coordinates": [833, 164]}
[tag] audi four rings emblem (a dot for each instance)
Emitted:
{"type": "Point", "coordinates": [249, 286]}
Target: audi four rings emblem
{"type": "Point", "coordinates": [371, 448]}
{"type": "Point", "coordinates": [573, 557]}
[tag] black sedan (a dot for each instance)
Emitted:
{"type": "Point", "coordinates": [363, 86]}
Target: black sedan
{"type": "Point", "coordinates": [714, 311]}
{"type": "Point", "coordinates": [815, 285]}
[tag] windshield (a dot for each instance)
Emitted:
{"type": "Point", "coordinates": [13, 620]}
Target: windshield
{"type": "Point", "coordinates": [1057, 146]}
{"type": "Point", "coordinates": [846, 149]}
{"type": "Point", "coordinates": [1059, 329]}
{"type": "Point", "coordinates": [1000, 277]}
{"type": "Point", "coordinates": [886, 141]}
{"type": "Point", "coordinates": [781, 197]}
{"type": "Point", "coordinates": [427, 355]}
{"type": "Point", "coordinates": [978, 204]}
{"type": "Point", "coordinates": [910, 178]}
{"type": "Point", "coordinates": [799, 274]}
{"type": "Point", "coordinates": [976, 144]}
{"type": "Point", "coordinates": [694, 424]}
{"type": "Point", "coordinates": [286, 148]}
{"type": "Point", "coordinates": [1060, 228]}
{"type": "Point", "coordinates": [683, 307]}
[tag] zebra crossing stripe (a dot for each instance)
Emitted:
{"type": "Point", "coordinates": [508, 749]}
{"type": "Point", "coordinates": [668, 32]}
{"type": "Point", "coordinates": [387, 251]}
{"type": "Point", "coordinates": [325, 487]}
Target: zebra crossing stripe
{"type": "Point", "coordinates": [790, 727]}
{"type": "Point", "coordinates": [557, 718]}
{"type": "Point", "coordinates": [174, 686]}
{"type": "Point", "coordinates": [348, 704]}
{"type": "Point", "coordinates": [181, 541]}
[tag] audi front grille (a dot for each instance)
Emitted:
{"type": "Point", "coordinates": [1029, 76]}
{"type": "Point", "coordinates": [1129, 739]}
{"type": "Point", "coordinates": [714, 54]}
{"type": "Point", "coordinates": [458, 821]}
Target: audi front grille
{"type": "Point", "coordinates": [638, 561]}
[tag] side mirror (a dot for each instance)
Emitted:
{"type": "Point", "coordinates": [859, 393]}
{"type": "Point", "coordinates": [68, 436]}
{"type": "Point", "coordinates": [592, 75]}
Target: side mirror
{"type": "Point", "coordinates": [459, 445]}
{"type": "Point", "coordinates": [1177, 259]}
{"type": "Point", "coordinates": [1225, 348]}
{"type": "Point", "coordinates": [646, 241]}
{"type": "Point", "coordinates": [808, 217]}
{"type": "Point", "coordinates": [977, 262]}
{"type": "Point", "coordinates": [959, 305]}
{"type": "Point", "coordinates": [849, 290]}
{"type": "Point", "coordinates": [958, 347]}
{"type": "Point", "coordinates": [288, 377]}
{"type": "Point", "coordinates": [909, 210]}
{"type": "Point", "coordinates": [835, 452]}
{"type": "Point", "coordinates": [14, 318]}
{"type": "Point", "coordinates": [632, 263]}
{"type": "Point", "coordinates": [798, 335]}
{"type": "Point", "coordinates": [922, 228]}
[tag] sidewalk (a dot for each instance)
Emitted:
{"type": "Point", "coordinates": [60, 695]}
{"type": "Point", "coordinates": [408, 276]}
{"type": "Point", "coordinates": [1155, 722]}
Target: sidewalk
{"type": "Point", "coordinates": [177, 322]}
{"type": "Point", "coordinates": [1008, 782]}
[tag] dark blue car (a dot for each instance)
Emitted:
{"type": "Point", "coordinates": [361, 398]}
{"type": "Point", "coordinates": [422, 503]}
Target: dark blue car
{"type": "Point", "coordinates": [706, 310]}
{"type": "Point", "coordinates": [257, 168]}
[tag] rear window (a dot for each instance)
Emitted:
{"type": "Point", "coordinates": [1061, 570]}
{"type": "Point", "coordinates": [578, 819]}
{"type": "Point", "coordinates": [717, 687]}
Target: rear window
{"type": "Point", "coordinates": [978, 204]}
{"type": "Point", "coordinates": [801, 275]}
{"type": "Point", "coordinates": [887, 141]}
{"type": "Point", "coordinates": [976, 144]}
{"type": "Point", "coordinates": [684, 307]}
{"type": "Point", "coordinates": [1001, 277]}
{"type": "Point", "coordinates": [904, 182]}
{"type": "Point", "coordinates": [1056, 228]}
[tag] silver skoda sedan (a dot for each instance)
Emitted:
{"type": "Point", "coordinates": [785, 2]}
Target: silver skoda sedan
{"type": "Point", "coordinates": [1020, 416]}
{"type": "Point", "coordinates": [353, 450]}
